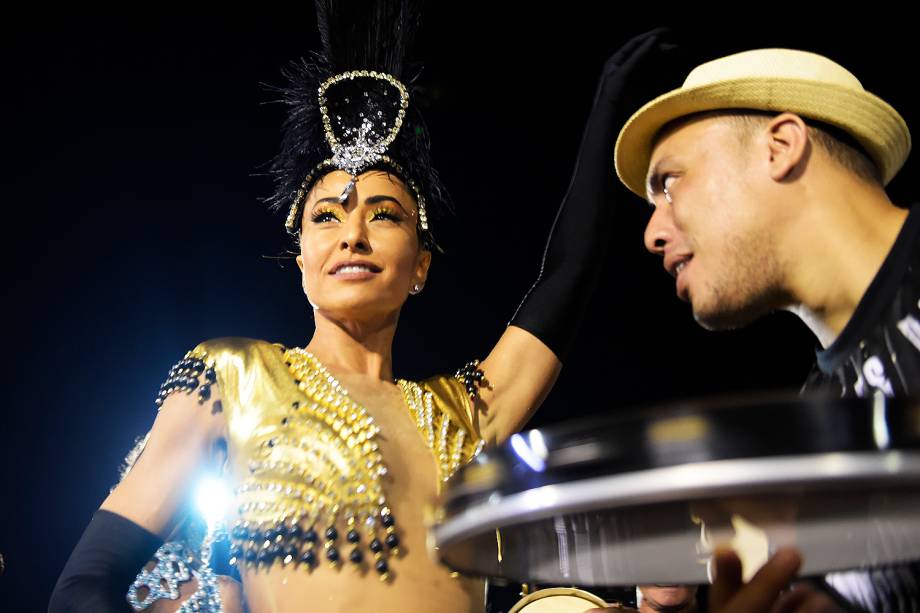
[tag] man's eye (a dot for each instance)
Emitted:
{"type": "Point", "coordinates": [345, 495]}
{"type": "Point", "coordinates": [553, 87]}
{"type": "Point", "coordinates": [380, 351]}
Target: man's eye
{"type": "Point", "coordinates": [666, 182]}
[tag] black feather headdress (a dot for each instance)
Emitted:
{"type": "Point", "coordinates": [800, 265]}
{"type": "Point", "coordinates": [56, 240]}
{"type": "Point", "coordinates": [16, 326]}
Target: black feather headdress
{"type": "Point", "coordinates": [349, 109]}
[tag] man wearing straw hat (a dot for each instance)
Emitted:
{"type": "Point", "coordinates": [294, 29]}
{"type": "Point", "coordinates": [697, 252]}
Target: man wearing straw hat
{"type": "Point", "coordinates": [767, 173]}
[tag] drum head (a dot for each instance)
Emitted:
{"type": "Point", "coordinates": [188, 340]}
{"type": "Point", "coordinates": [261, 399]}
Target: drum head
{"type": "Point", "coordinates": [646, 498]}
{"type": "Point", "coordinates": [558, 600]}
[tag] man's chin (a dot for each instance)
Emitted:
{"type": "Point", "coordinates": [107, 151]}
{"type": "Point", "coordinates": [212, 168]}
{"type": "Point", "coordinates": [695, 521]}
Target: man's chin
{"type": "Point", "coordinates": [714, 319]}
{"type": "Point", "coordinates": [675, 597]}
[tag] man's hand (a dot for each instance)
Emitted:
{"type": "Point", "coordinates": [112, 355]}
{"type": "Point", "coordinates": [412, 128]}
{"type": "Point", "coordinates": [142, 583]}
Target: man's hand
{"type": "Point", "coordinates": [764, 592]}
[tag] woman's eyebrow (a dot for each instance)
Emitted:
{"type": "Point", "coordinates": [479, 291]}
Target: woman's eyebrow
{"type": "Point", "coordinates": [384, 198]}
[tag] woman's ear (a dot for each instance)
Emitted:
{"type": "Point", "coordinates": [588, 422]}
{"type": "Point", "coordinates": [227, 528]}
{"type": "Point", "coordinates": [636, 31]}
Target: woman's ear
{"type": "Point", "coordinates": [423, 264]}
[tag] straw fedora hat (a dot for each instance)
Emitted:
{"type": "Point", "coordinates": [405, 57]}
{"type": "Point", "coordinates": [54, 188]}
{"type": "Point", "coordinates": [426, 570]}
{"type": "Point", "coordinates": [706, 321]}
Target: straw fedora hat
{"type": "Point", "coordinates": [781, 80]}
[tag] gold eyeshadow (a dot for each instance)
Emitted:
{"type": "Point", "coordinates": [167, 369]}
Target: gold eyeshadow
{"type": "Point", "coordinates": [389, 213]}
{"type": "Point", "coordinates": [318, 213]}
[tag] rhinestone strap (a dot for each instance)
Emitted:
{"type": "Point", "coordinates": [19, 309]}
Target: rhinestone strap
{"type": "Point", "coordinates": [174, 566]}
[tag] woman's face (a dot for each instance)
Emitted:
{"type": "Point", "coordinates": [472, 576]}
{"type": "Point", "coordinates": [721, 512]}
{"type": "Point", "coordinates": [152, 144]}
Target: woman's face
{"type": "Point", "coordinates": [359, 258]}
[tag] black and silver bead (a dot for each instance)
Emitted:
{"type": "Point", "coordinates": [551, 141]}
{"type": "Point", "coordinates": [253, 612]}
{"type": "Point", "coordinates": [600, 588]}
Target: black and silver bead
{"type": "Point", "coordinates": [184, 377]}
{"type": "Point", "coordinates": [308, 557]}
{"type": "Point", "coordinates": [290, 542]}
{"type": "Point", "coordinates": [289, 552]}
{"type": "Point", "coordinates": [472, 377]}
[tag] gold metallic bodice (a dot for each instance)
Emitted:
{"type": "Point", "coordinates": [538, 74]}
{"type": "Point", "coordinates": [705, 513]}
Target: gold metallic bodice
{"type": "Point", "coordinates": [303, 453]}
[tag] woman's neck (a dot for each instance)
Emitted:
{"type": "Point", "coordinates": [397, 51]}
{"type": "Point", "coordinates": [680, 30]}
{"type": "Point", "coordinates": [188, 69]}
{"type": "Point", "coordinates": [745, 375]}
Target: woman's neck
{"type": "Point", "coordinates": [355, 347]}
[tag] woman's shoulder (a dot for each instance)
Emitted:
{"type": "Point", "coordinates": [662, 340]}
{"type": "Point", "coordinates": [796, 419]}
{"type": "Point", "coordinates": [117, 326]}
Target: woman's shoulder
{"type": "Point", "coordinates": [449, 396]}
{"type": "Point", "coordinates": [238, 353]}
{"type": "Point", "coordinates": [447, 388]}
{"type": "Point", "coordinates": [238, 346]}
{"type": "Point", "coordinates": [459, 390]}
{"type": "Point", "coordinates": [246, 370]}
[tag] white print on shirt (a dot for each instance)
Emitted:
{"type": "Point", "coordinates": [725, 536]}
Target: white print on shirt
{"type": "Point", "coordinates": [875, 375]}
{"type": "Point", "coordinates": [859, 388]}
{"type": "Point", "coordinates": [910, 328]}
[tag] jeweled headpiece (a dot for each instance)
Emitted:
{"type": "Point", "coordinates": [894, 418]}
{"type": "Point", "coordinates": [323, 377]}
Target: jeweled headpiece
{"type": "Point", "coordinates": [349, 109]}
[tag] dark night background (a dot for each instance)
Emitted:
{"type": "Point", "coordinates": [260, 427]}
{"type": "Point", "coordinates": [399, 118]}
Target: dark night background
{"type": "Point", "coordinates": [133, 227]}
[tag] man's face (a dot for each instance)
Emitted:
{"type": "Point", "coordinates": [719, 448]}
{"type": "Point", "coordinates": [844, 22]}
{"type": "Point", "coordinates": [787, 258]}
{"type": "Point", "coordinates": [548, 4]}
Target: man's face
{"type": "Point", "coordinates": [667, 597]}
{"type": "Point", "coordinates": [712, 222]}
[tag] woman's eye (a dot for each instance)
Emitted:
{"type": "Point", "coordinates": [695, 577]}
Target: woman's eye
{"type": "Point", "coordinates": [324, 216]}
{"type": "Point", "coordinates": [387, 215]}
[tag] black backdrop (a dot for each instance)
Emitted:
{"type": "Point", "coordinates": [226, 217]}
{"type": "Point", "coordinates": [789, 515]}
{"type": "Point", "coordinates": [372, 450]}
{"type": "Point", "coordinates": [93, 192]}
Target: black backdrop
{"type": "Point", "coordinates": [133, 229]}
